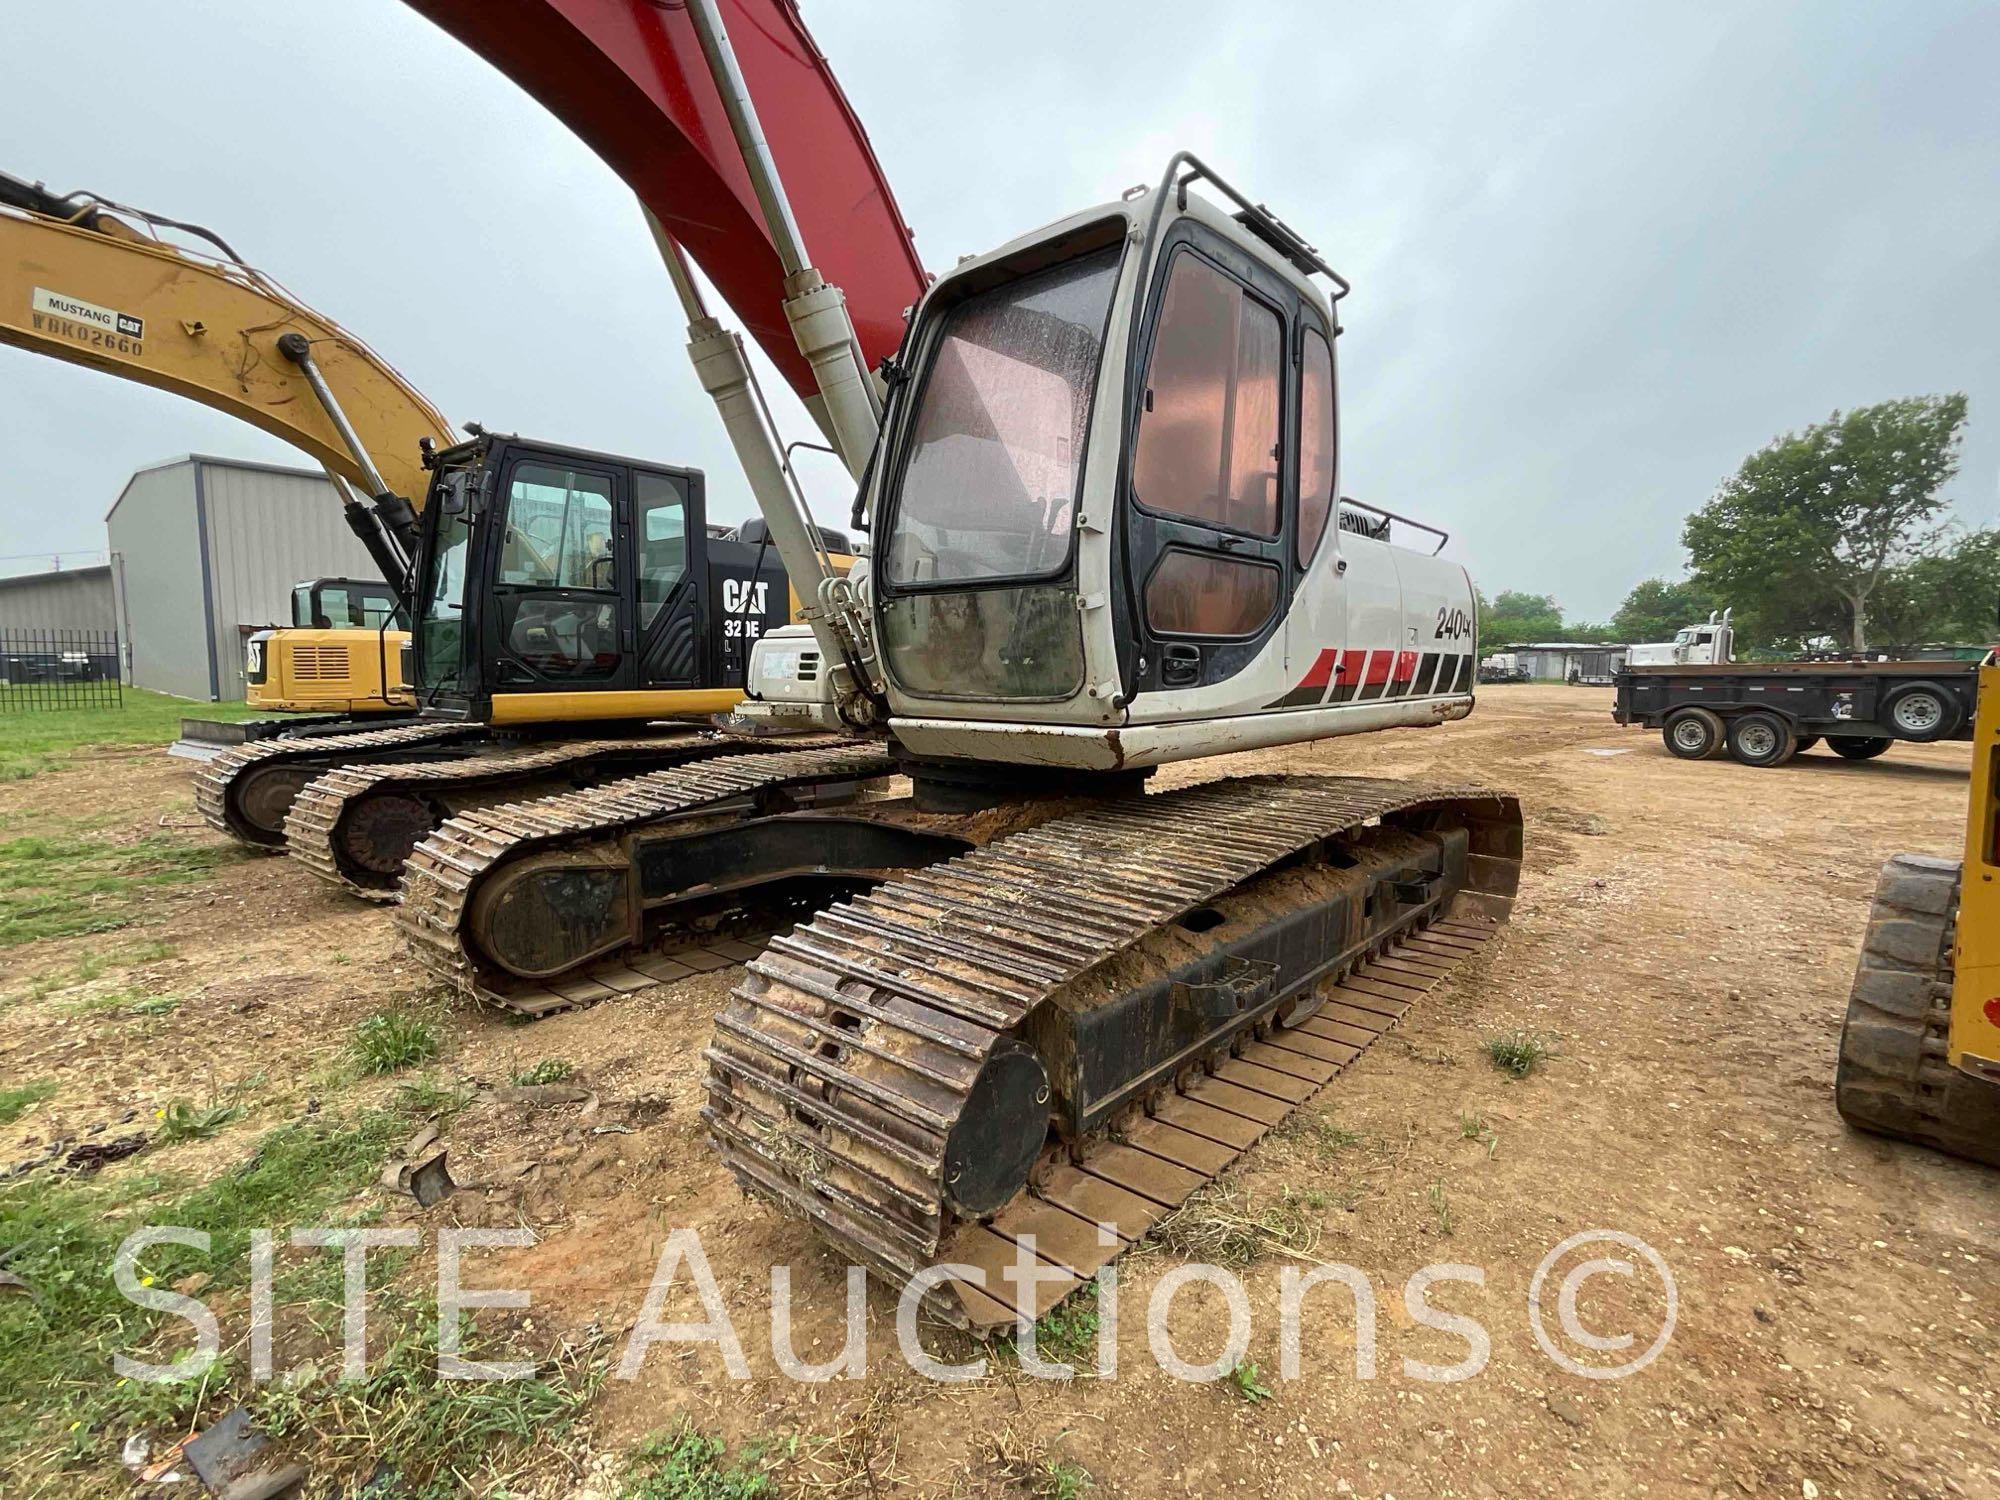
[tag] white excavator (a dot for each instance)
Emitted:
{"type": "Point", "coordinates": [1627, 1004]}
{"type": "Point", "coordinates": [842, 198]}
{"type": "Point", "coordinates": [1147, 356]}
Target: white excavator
{"type": "Point", "coordinates": [1024, 1006]}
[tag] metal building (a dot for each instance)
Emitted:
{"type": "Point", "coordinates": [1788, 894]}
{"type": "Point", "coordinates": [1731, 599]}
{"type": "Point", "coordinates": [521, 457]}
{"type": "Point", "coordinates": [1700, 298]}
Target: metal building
{"type": "Point", "coordinates": [72, 599]}
{"type": "Point", "coordinates": [206, 550]}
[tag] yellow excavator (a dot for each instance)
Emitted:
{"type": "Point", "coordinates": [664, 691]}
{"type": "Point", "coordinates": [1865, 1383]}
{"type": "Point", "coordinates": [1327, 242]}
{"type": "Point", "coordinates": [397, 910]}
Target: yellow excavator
{"type": "Point", "coordinates": [1920, 1053]}
{"type": "Point", "coordinates": [574, 599]}
{"type": "Point", "coordinates": [92, 282]}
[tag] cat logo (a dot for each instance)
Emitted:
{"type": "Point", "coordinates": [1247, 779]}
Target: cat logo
{"type": "Point", "coordinates": [740, 596]}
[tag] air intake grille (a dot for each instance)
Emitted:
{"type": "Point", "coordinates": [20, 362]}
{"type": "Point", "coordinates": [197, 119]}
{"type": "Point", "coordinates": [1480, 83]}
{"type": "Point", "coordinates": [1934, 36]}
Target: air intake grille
{"type": "Point", "coordinates": [319, 663]}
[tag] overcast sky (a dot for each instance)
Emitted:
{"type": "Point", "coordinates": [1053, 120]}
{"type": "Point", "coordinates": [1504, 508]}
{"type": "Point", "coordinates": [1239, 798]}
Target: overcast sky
{"type": "Point", "coordinates": [1600, 251]}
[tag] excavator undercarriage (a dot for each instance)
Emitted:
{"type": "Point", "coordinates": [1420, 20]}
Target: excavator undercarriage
{"type": "Point", "coordinates": [1054, 1039]}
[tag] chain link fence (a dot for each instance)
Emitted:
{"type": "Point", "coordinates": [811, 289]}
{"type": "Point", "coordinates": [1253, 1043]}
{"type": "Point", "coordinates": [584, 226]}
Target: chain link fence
{"type": "Point", "coordinates": [44, 670]}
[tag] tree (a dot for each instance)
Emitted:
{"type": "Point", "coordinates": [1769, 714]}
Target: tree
{"type": "Point", "coordinates": [1655, 609]}
{"type": "Point", "coordinates": [1802, 536]}
{"type": "Point", "coordinates": [1951, 596]}
{"type": "Point", "coordinates": [1514, 617]}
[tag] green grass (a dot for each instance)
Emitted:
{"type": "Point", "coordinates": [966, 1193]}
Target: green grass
{"type": "Point", "coordinates": [426, 1096]}
{"type": "Point", "coordinates": [32, 743]}
{"type": "Point", "coordinates": [548, 1070]}
{"type": "Point", "coordinates": [682, 1464]}
{"type": "Point", "coordinates": [65, 885]}
{"type": "Point", "coordinates": [1518, 1053]}
{"type": "Point", "coordinates": [444, 1438]}
{"type": "Point", "coordinates": [14, 1102]}
{"type": "Point", "coordinates": [1441, 1209]}
{"type": "Point", "coordinates": [1317, 1134]}
{"type": "Point", "coordinates": [61, 1398]}
{"type": "Point", "coordinates": [392, 1040]}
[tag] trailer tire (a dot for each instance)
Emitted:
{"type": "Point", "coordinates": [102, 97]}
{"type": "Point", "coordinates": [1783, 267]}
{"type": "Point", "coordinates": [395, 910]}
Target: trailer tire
{"type": "Point", "coordinates": [1693, 733]}
{"type": "Point", "coordinates": [1761, 739]}
{"type": "Point", "coordinates": [1859, 746]}
{"type": "Point", "coordinates": [1921, 711]}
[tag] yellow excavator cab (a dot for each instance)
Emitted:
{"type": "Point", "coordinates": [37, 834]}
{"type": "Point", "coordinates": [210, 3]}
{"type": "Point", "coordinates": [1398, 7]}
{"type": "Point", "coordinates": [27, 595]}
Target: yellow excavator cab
{"type": "Point", "coordinates": [342, 654]}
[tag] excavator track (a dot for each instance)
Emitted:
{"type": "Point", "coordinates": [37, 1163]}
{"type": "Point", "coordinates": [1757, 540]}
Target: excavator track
{"type": "Point", "coordinates": [1895, 1076]}
{"type": "Point", "coordinates": [354, 826]}
{"type": "Point", "coordinates": [861, 1075]}
{"type": "Point", "coordinates": [222, 782]}
{"type": "Point", "coordinates": [442, 878]}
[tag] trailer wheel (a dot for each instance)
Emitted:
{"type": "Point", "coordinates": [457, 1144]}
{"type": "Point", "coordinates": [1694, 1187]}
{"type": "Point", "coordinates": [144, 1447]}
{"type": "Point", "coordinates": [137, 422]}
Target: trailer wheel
{"type": "Point", "coordinates": [1761, 739]}
{"type": "Point", "coordinates": [1859, 746]}
{"type": "Point", "coordinates": [1693, 733]}
{"type": "Point", "coordinates": [1921, 711]}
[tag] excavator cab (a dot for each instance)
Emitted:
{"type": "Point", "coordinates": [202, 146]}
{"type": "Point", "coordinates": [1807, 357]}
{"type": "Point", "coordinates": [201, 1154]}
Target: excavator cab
{"type": "Point", "coordinates": [340, 657]}
{"type": "Point", "coordinates": [556, 585]}
{"type": "Point", "coordinates": [1104, 506]}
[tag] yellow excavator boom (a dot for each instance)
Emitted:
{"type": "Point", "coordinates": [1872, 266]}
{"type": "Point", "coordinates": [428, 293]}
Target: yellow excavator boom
{"type": "Point", "coordinates": [92, 290]}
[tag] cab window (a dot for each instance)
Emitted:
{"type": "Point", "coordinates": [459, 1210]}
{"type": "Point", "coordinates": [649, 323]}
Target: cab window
{"type": "Point", "coordinates": [663, 540]}
{"type": "Point", "coordinates": [1208, 428]}
{"type": "Point", "coordinates": [558, 530]}
{"type": "Point", "coordinates": [1316, 443]}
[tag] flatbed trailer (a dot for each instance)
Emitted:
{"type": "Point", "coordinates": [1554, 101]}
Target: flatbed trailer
{"type": "Point", "coordinates": [1764, 713]}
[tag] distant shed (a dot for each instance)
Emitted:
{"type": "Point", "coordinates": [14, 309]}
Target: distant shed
{"type": "Point", "coordinates": [1571, 661]}
{"type": "Point", "coordinates": [72, 599]}
{"type": "Point", "coordinates": [206, 550]}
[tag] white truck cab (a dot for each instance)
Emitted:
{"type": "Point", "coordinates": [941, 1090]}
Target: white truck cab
{"type": "Point", "coordinates": [1710, 643]}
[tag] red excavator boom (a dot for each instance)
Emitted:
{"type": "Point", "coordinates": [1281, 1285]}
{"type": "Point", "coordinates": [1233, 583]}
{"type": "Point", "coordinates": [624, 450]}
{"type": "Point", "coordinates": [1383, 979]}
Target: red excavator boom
{"type": "Point", "coordinates": [629, 78]}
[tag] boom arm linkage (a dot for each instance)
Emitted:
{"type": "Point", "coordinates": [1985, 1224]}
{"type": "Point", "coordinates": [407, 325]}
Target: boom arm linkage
{"type": "Point", "coordinates": [79, 283]}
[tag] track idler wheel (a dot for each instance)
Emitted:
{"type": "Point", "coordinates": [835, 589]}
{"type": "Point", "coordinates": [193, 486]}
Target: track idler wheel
{"type": "Point", "coordinates": [1894, 1077]}
{"type": "Point", "coordinates": [263, 798]}
{"type": "Point", "coordinates": [999, 1132]}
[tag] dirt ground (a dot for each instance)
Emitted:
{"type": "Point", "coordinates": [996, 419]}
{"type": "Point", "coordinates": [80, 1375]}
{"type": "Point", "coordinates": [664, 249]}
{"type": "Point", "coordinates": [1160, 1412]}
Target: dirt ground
{"type": "Point", "coordinates": [1686, 931]}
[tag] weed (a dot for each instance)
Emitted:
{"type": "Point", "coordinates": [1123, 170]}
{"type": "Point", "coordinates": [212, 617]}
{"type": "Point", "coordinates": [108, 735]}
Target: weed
{"type": "Point", "coordinates": [391, 1040]}
{"type": "Point", "coordinates": [1518, 1053]}
{"type": "Point", "coordinates": [1316, 1133]}
{"type": "Point", "coordinates": [89, 967]}
{"type": "Point", "coordinates": [1029, 1465]}
{"type": "Point", "coordinates": [156, 1005]}
{"type": "Point", "coordinates": [150, 953]}
{"type": "Point", "coordinates": [1475, 1128]}
{"type": "Point", "coordinates": [1067, 1334]}
{"type": "Point", "coordinates": [426, 1096]}
{"type": "Point", "coordinates": [1247, 1383]}
{"type": "Point", "coordinates": [548, 1070]}
{"type": "Point", "coordinates": [1441, 1207]}
{"type": "Point", "coordinates": [685, 1465]}
{"type": "Point", "coordinates": [14, 1102]}
{"type": "Point", "coordinates": [1218, 1225]}
{"type": "Point", "coordinates": [182, 1121]}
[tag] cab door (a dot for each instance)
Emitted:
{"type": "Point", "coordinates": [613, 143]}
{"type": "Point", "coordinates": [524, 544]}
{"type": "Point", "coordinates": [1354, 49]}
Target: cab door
{"type": "Point", "coordinates": [670, 536]}
{"type": "Point", "coordinates": [560, 616]}
{"type": "Point", "coordinates": [1206, 532]}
